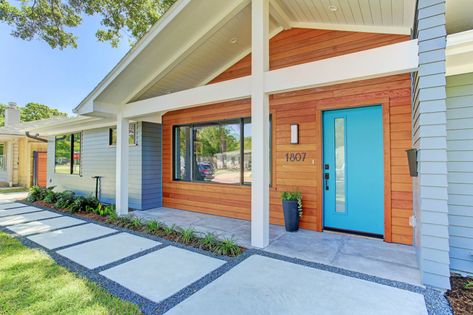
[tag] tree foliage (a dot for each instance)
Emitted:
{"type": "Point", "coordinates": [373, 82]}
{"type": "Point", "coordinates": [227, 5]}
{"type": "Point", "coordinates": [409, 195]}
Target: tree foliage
{"type": "Point", "coordinates": [53, 21]}
{"type": "Point", "coordinates": [32, 111]}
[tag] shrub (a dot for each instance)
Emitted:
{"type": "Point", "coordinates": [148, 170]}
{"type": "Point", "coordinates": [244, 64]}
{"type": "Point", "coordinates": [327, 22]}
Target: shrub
{"type": "Point", "coordinates": [104, 211]}
{"type": "Point", "coordinates": [64, 199]}
{"type": "Point", "coordinates": [168, 230]}
{"type": "Point", "coordinates": [136, 222]}
{"type": "Point", "coordinates": [153, 226]}
{"type": "Point", "coordinates": [293, 196]}
{"type": "Point", "coordinates": [227, 247]}
{"type": "Point", "coordinates": [50, 197]}
{"type": "Point", "coordinates": [38, 193]}
{"type": "Point", "coordinates": [208, 241]}
{"type": "Point", "coordinates": [187, 235]}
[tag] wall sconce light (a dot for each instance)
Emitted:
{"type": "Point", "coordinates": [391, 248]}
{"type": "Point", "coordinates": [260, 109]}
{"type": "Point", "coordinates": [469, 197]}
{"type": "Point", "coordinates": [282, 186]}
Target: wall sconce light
{"type": "Point", "coordinates": [412, 159]}
{"type": "Point", "coordinates": [294, 133]}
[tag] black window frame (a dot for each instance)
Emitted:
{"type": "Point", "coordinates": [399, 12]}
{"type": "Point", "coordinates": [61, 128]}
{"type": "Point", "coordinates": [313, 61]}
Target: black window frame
{"type": "Point", "coordinates": [71, 152]}
{"type": "Point", "coordinates": [111, 130]}
{"type": "Point", "coordinates": [241, 122]}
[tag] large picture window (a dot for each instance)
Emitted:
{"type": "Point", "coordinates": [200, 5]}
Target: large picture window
{"type": "Point", "coordinates": [68, 154]}
{"type": "Point", "coordinates": [215, 152]}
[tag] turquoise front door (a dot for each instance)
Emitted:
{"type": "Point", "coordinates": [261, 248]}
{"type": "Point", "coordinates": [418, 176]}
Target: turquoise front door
{"type": "Point", "coordinates": [353, 170]}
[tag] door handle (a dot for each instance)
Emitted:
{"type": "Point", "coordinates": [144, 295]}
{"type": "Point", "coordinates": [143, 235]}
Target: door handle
{"type": "Point", "coordinates": [326, 177]}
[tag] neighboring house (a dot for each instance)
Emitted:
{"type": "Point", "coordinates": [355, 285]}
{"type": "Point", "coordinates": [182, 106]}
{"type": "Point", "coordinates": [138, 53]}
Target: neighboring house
{"type": "Point", "coordinates": [22, 157]}
{"type": "Point", "coordinates": [328, 101]}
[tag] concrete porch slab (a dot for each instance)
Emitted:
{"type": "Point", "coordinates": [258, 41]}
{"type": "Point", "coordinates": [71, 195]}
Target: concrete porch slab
{"type": "Point", "coordinates": [9, 212]}
{"type": "Point", "coordinates": [262, 285]}
{"type": "Point", "coordinates": [106, 250]}
{"type": "Point", "coordinates": [27, 217]}
{"type": "Point", "coordinates": [44, 225]}
{"type": "Point", "coordinates": [71, 235]}
{"type": "Point", "coordinates": [162, 273]}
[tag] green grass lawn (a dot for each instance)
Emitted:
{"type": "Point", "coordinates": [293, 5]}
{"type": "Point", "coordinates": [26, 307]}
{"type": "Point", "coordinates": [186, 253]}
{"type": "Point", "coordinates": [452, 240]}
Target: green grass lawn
{"type": "Point", "coordinates": [12, 190]}
{"type": "Point", "coordinates": [32, 283]}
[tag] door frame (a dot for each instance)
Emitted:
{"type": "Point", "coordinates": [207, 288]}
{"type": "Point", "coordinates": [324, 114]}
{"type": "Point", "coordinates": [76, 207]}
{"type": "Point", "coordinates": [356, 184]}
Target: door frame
{"type": "Point", "coordinates": [384, 102]}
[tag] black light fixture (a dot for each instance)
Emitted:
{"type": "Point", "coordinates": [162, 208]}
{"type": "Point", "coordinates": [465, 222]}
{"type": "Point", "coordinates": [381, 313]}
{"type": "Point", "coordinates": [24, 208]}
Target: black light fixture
{"type": "Point", "coordinates": [412, 159]}
{"type": "Point", "coordinates": [294, 133]}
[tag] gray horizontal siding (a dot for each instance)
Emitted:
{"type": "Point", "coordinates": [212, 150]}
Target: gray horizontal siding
{"type": "Point", "coordinates": [429, 137]}
{"type": "Point", "coordinates": [98, 159]}
{"type": "Point", "coordinates": [151, 166]}
{"type": "Point", "coordinates": [460, 171]}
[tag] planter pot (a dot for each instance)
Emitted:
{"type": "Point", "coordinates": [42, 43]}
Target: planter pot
{"type": "Point", "coordinates": [291, 215]}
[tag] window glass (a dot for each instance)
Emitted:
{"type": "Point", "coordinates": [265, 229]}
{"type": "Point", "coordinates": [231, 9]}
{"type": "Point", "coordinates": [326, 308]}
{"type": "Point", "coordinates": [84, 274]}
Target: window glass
{"type": "Point", "coordinates": [182, 153]}
{"type": "Point", "coordinates": [217, 153]}
{"type": "Point", "coordinates": [76, 154]}
{"type": "Point", "coordinates": [2, 158]}
{"type": "Point", "coordinates": [112, 138]}
{"type": "Point", "coordinates": [247, 151]}
{"type": "Point", "coordinates": [63, 154]}
{"type": "Point", "coordinates": [1, 148]}
{"type": "Point", "coordinates": [340, 165]}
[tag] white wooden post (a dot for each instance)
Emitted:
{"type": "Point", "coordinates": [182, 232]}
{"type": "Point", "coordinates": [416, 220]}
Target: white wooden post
{"type": "Point", "coordinates": [10, 160]}
{"type": "Point", "coordinates": [259, 124]}
{"type": "Point", "coordinates": [121, 180]}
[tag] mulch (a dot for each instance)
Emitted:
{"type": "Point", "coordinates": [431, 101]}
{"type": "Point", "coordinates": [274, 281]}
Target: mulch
{"type": "Point", "coordinates": [460, 297]}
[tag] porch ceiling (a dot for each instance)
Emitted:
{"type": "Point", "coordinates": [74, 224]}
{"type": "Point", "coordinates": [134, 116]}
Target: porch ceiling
{"type": "Point", "coordinates": [197, 40]}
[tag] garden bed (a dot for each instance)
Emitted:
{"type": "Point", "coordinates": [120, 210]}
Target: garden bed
{"type": "Point", "coordinates": [461, 294]}
{"type": "Point", "coordinates": [91, 208]}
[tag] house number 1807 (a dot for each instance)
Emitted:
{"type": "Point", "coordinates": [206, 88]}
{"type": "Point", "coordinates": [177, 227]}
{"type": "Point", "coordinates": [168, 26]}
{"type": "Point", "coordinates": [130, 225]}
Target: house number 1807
{"type": "Point", "coordinates": [295, 156]}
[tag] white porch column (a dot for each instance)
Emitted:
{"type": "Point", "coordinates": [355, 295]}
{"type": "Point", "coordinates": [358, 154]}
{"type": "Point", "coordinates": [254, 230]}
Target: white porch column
{"type": "Point", "coordinates": [260, 124]}
{"type": "Point", "coordinates": [121, 179]}
{"type": "Point", "coordinates": [10, 161]}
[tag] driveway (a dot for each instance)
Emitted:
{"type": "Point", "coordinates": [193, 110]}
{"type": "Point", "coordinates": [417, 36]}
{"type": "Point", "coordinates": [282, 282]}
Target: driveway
{"type": "Point", "coordinates": [165, 277]}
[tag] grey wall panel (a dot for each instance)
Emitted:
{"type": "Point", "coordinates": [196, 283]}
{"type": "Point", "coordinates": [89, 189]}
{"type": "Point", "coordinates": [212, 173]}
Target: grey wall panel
{"type": "Point", "coordinates": [430, 138]}
{"type": "Point", "coordinates": [98, 159]}
{"type": "Point", "coordinates": [152, 165]}
{"type": "Point", "coordinates": [460, 171]}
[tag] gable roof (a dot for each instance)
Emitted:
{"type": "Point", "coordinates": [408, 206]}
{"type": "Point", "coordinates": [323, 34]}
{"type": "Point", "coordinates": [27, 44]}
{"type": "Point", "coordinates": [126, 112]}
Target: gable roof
{"type": "Point", "coordinates": [197, 40]}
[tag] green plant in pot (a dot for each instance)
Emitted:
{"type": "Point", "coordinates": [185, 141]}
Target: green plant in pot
{"type": "Point", "coordinates": [292, 206]}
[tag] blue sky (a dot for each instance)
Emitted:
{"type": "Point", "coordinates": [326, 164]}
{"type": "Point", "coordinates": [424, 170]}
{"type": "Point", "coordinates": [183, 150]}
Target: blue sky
{"type": "Point", "coordinates": [31, 71]}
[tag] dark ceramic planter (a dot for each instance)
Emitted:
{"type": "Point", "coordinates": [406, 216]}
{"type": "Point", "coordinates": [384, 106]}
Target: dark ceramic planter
{"type": "Point", "coordinates": [291, 215]}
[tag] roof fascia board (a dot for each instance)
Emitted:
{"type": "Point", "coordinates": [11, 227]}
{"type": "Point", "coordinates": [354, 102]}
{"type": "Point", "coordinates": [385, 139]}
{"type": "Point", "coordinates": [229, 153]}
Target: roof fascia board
{"type": "Point", "coordinates": [459, 53]}
{"type": "Point", "coordinates": [236, 7]}
{"type": "Point", "coordinates": [134, 51]}
{"type": "Point", "coordinates": [400, 30]}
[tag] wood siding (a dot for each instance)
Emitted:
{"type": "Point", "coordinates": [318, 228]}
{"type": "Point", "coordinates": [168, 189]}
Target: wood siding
{"type": "Point", "coordinates": [304, 108]}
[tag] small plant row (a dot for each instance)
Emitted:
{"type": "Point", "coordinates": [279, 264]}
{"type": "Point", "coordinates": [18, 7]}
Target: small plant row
{"type": "Point", "coordinates": [69, 201]}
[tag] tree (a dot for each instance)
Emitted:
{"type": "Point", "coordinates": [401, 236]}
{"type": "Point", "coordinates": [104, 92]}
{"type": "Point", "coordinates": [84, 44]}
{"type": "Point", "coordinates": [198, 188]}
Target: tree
{"type": "Point", "coordinates": [31, 112]}
{"type": "Point", "coordinates": [52, 20]}
{"type": "Point", "coordinates": [35, 111]}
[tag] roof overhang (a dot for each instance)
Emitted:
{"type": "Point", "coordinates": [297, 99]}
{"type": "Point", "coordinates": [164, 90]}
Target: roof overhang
{"type": "Point", "coordinates": [459, 53]}
{"type": "Point", "coordinates": [195, 41]}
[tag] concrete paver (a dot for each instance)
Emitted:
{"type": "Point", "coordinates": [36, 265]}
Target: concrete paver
{"type": "Point", "coordinates": [162, 273]}
{"type": "Point", "coordinates": [106, 250]}
{"type": "Point", "coordinates": [71, 235]}
{"type": "Point", "coordinates": [10, 212]}
{"type": "Point", "coordinates": [44, 225]}
{"type": "Point", "coordinates": [27, 217]}
{"type": "Point", "coordinates": [262, 285]}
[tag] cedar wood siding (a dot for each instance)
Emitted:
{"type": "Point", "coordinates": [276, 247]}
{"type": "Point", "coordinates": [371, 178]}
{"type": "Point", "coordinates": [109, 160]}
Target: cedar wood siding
{"type": "Point", "coordinates": [288, 48]}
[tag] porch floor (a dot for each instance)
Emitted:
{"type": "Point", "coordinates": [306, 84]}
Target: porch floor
{"type": "Point", "coordinates": [356, 253]}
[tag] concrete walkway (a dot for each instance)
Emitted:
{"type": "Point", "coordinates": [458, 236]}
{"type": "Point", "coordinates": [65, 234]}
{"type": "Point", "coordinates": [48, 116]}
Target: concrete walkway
{"type": "Point", "coordinates": [164, 277]}
{"type": "Point", "coordinates": [367, 255]}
